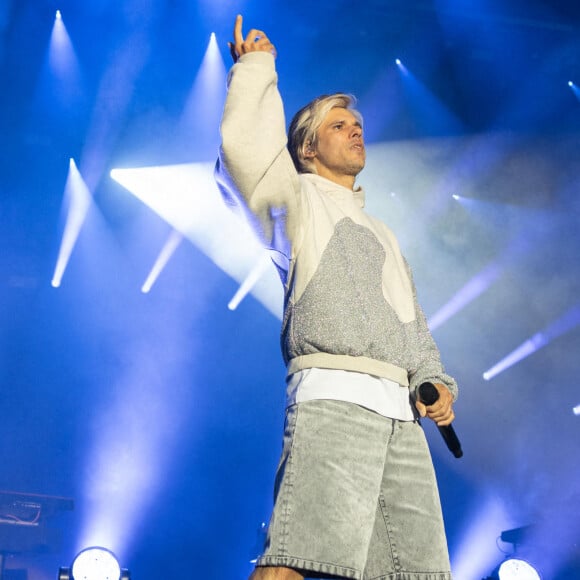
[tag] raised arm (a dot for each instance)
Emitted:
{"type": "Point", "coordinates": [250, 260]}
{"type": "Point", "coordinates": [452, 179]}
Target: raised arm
{"type": "Point", "coordinates": [254, 169]}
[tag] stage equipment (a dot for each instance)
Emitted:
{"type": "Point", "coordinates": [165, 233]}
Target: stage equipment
{"type": "Point", "coordinates": [23, 524]}
{"type": "Point", "coordinates": [517, 569]}
{"type": "Point", "coordinates": [94, 563]}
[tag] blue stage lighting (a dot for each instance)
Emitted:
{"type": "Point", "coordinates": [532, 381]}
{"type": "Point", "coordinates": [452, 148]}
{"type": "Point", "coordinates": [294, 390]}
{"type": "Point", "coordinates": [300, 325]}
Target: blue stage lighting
{"type": "Point", "coordinates": [78, 198]}
{"type": "Point", "coordinates": [402, 68]}
{"type": "Point", "coordinates": [189, 202]}
{"type": "Point", "coordinates": [560, 326]}
{"type": "Point", "coordinates": [516, 569]}
{"type": "Point", "coordinates": [94, 563]}
{"type": "Point", "coordinates": [58, 15]}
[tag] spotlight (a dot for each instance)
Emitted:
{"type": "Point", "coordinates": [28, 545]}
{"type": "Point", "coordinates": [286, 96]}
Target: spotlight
{"type": "Point", "coordinates": [516, 569]}
{"type": "Point", "coordinates": [94, 564]}
{"type": "Point", "coordinates": [402, 68]}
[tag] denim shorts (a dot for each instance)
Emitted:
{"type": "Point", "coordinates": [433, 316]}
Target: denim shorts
{"type": "Point", "coordinates": [355, 497]}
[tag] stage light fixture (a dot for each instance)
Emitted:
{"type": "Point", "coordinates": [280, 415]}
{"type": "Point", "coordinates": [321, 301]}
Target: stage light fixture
{"type": "Point", "coordinates": [517, 569]}
{"type": "Point", "coordinates": [94, 563]}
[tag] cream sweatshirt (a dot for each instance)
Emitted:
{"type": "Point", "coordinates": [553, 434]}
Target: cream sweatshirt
{"type": "Point", "coordinates": [350, 302]}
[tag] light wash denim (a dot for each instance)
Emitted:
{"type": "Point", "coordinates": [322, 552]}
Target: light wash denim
{"type": "Point", "coordinates": [355, 497]}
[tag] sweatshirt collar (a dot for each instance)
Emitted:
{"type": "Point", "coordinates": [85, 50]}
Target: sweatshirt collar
{"type": "Point", "coordinates": [335, 190]}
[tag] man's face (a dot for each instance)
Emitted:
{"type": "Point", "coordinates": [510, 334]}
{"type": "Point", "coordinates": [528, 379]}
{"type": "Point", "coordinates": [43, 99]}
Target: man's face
{"type": "Point", "coordinates": [339, 154]}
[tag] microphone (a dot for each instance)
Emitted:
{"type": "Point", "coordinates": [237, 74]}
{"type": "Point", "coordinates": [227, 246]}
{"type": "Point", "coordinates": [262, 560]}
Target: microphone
{"type": "Point", "coordinates": [428, 394]}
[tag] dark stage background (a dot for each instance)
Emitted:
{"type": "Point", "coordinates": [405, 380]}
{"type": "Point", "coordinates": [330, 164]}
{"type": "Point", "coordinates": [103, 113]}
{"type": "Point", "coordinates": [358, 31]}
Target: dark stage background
{"type": "Point", "coordinates": [160, 413]}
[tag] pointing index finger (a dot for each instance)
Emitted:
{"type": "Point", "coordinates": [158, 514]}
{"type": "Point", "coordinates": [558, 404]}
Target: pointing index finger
{"type": "Point", "coordinates": [238, 38]}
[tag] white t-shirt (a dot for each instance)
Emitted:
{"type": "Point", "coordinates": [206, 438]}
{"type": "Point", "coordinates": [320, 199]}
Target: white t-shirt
{"type": "Point", "coordinates": [378, 394]}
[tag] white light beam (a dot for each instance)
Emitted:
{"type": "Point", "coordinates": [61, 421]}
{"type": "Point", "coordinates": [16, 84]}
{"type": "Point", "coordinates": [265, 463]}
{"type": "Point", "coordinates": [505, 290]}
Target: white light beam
{"type": "Point", "coordinates": [78, 197]}
{"type": "Point", "coordinates": [167, 251]}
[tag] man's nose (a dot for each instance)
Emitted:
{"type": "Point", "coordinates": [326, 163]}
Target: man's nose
{"type": "Point", "coordinates": [356, 131]}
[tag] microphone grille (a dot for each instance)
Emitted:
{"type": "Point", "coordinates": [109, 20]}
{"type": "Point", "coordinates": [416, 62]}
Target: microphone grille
{"type": "Point", "coordinates": [428, 393]}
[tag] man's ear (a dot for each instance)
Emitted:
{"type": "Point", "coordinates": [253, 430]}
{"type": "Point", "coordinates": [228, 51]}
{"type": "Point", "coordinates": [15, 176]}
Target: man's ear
{"type": "Point", "coordinates": [309, 152]}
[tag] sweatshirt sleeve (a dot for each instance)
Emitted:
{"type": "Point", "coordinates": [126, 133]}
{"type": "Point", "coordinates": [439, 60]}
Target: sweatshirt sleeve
{"type": "Point", "coordinates": [428, 363]}
{"type": "Point", "coordinates": [254, 171]}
